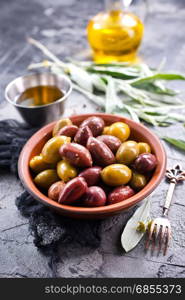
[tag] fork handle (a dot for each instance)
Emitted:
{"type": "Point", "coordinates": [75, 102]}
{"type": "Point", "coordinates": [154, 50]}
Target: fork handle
{"type": "Point", "coordinates": [169, 197]}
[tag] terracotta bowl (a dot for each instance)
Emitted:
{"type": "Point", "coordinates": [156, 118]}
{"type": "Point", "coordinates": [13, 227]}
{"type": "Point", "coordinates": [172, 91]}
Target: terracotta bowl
{"type": "Point", "coordinates": [138, 132]}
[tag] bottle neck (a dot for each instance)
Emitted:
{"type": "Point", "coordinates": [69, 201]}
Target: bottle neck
{"type": "Point", "coordinates": [117, 4]}
{"type": "Point", "coordinates": [111, 5]}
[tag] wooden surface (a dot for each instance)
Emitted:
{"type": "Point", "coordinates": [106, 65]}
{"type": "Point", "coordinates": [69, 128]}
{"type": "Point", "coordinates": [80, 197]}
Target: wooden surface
{"type": "Point", "coordinates": [60, 24]}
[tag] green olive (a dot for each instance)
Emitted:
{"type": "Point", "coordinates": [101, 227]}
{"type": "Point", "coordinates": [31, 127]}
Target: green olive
{"type": "Point", "coordinates": [50, 151]}
{"type": "Point", "coordinates": [116, 174]}
{"type": "Point", "coordinates": [37, 164]}
{"type": "Point", "coordinates": [105, 130]}
{"type": "Point", "coordinates": [66, 171]}
{"type": "Point", "coordinates": [120, 130]}
{"type": "Point", "coordinates": [138, 181]}
{"type": "Point", "coordinates": [144, 148]}
{"type": "Point", "coordinates": [60, 124]}
{"type": "Point", "coordinates": [127, 152]}
{"type": "Point", "coordinates": [46, 178]}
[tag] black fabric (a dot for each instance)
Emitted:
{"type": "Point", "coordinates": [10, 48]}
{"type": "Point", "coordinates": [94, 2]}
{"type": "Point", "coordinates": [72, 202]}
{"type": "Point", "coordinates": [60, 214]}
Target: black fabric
{"type": "Point", "coordinates": [48, 228]}
{"type": "Point", "coordinates": [13, 135]}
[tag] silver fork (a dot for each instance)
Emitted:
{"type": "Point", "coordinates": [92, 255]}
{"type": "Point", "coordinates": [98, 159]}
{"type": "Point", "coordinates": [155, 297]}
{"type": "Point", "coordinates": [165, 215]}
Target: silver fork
{"type": "Point", "coordinates": [160, 233]}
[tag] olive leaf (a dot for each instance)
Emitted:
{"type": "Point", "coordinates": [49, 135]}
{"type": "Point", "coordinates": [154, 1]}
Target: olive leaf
{"type": "Point", "coordinates": [98, 100]}
{"type": "Point", "coordinates": [157, 77]}
{"type": "Point", "coordinates": [131, 236]}
{"type": "Point", "coordinates": [98, 83]}
{"type": "Point", "coordinates": [134, 90]}
{"type": "Point", "coordinates": [180, 144]}
{"type": "Point", "coordinates": [112, 101]}
{"type": "Point", "coordinates": [81, 77]}
{"type": "Point", "coordinates": [116, 73]}
{"type": "Point", "coordinates": [156, 89]}
{"type": "Point", "coordinates": [132, 113]}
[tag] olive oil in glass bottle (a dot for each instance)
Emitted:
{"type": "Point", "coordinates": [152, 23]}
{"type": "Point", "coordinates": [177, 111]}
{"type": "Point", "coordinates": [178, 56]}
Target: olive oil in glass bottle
{"type": "Point", "coordinates": [115, 34]}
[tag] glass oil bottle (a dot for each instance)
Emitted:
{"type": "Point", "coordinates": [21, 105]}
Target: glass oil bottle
{"type": "Point", "coordinates": [115, 34]}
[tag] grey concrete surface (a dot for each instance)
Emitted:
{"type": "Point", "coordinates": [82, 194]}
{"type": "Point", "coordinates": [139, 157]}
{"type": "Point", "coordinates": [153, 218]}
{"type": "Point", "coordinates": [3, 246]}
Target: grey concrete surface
{"type": "Point", "coordinates": [61, 26]}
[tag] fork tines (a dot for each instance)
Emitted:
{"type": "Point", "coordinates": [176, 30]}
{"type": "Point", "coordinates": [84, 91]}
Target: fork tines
{"type": "Point", "coordinates": [158, 236]}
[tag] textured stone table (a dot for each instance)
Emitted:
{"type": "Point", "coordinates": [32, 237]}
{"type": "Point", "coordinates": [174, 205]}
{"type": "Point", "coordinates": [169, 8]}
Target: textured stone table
{"type": "Point", "coordinates": [60, 24]}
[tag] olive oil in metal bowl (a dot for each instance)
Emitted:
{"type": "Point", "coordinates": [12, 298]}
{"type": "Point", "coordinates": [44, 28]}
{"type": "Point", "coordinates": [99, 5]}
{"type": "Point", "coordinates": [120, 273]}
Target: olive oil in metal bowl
{"type": "Point", "coordinates": [40, 97]}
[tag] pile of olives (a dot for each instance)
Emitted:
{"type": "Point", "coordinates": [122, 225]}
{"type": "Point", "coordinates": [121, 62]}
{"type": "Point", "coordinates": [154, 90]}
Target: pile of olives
{"type": "Point", "coordinates": [92, 165]}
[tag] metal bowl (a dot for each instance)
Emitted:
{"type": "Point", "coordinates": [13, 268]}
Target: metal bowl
{"type": "Point", "coordinates": [39, 115]}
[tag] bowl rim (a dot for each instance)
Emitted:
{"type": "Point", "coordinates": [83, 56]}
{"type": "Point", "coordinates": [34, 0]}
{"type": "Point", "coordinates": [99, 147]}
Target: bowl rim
{"type": "Point", "coordinates": [27, 181]}
{"type": "Point", "coordinates": [66, 95]}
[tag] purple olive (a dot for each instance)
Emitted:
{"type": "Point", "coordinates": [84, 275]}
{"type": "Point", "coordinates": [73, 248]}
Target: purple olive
{"type": "Point", "coordinates": [100, 152]}
{"type": "Point", "coordinates": [94, 197]}
{"type": "Point", "coordinates": [72, 191]}
{"type": "Point", "coordinates": [82, 135]}
{"type": "Point", "coordinates": [145, 162]}
{"type": "Point", "coordinates": [69, 130]}
{"type": "Point", "coordinates": [55, 189]}
{"type": "Point", "coordinates": [76, 154]}
{"type": "Point", "coordinates": [96, 125]}
{"type": "Point", "coordinates": [91, 175]}
{"type": "Point", "coordinates": [111, 141]}
{"type": "Point", "coordinates": [119, 194]}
